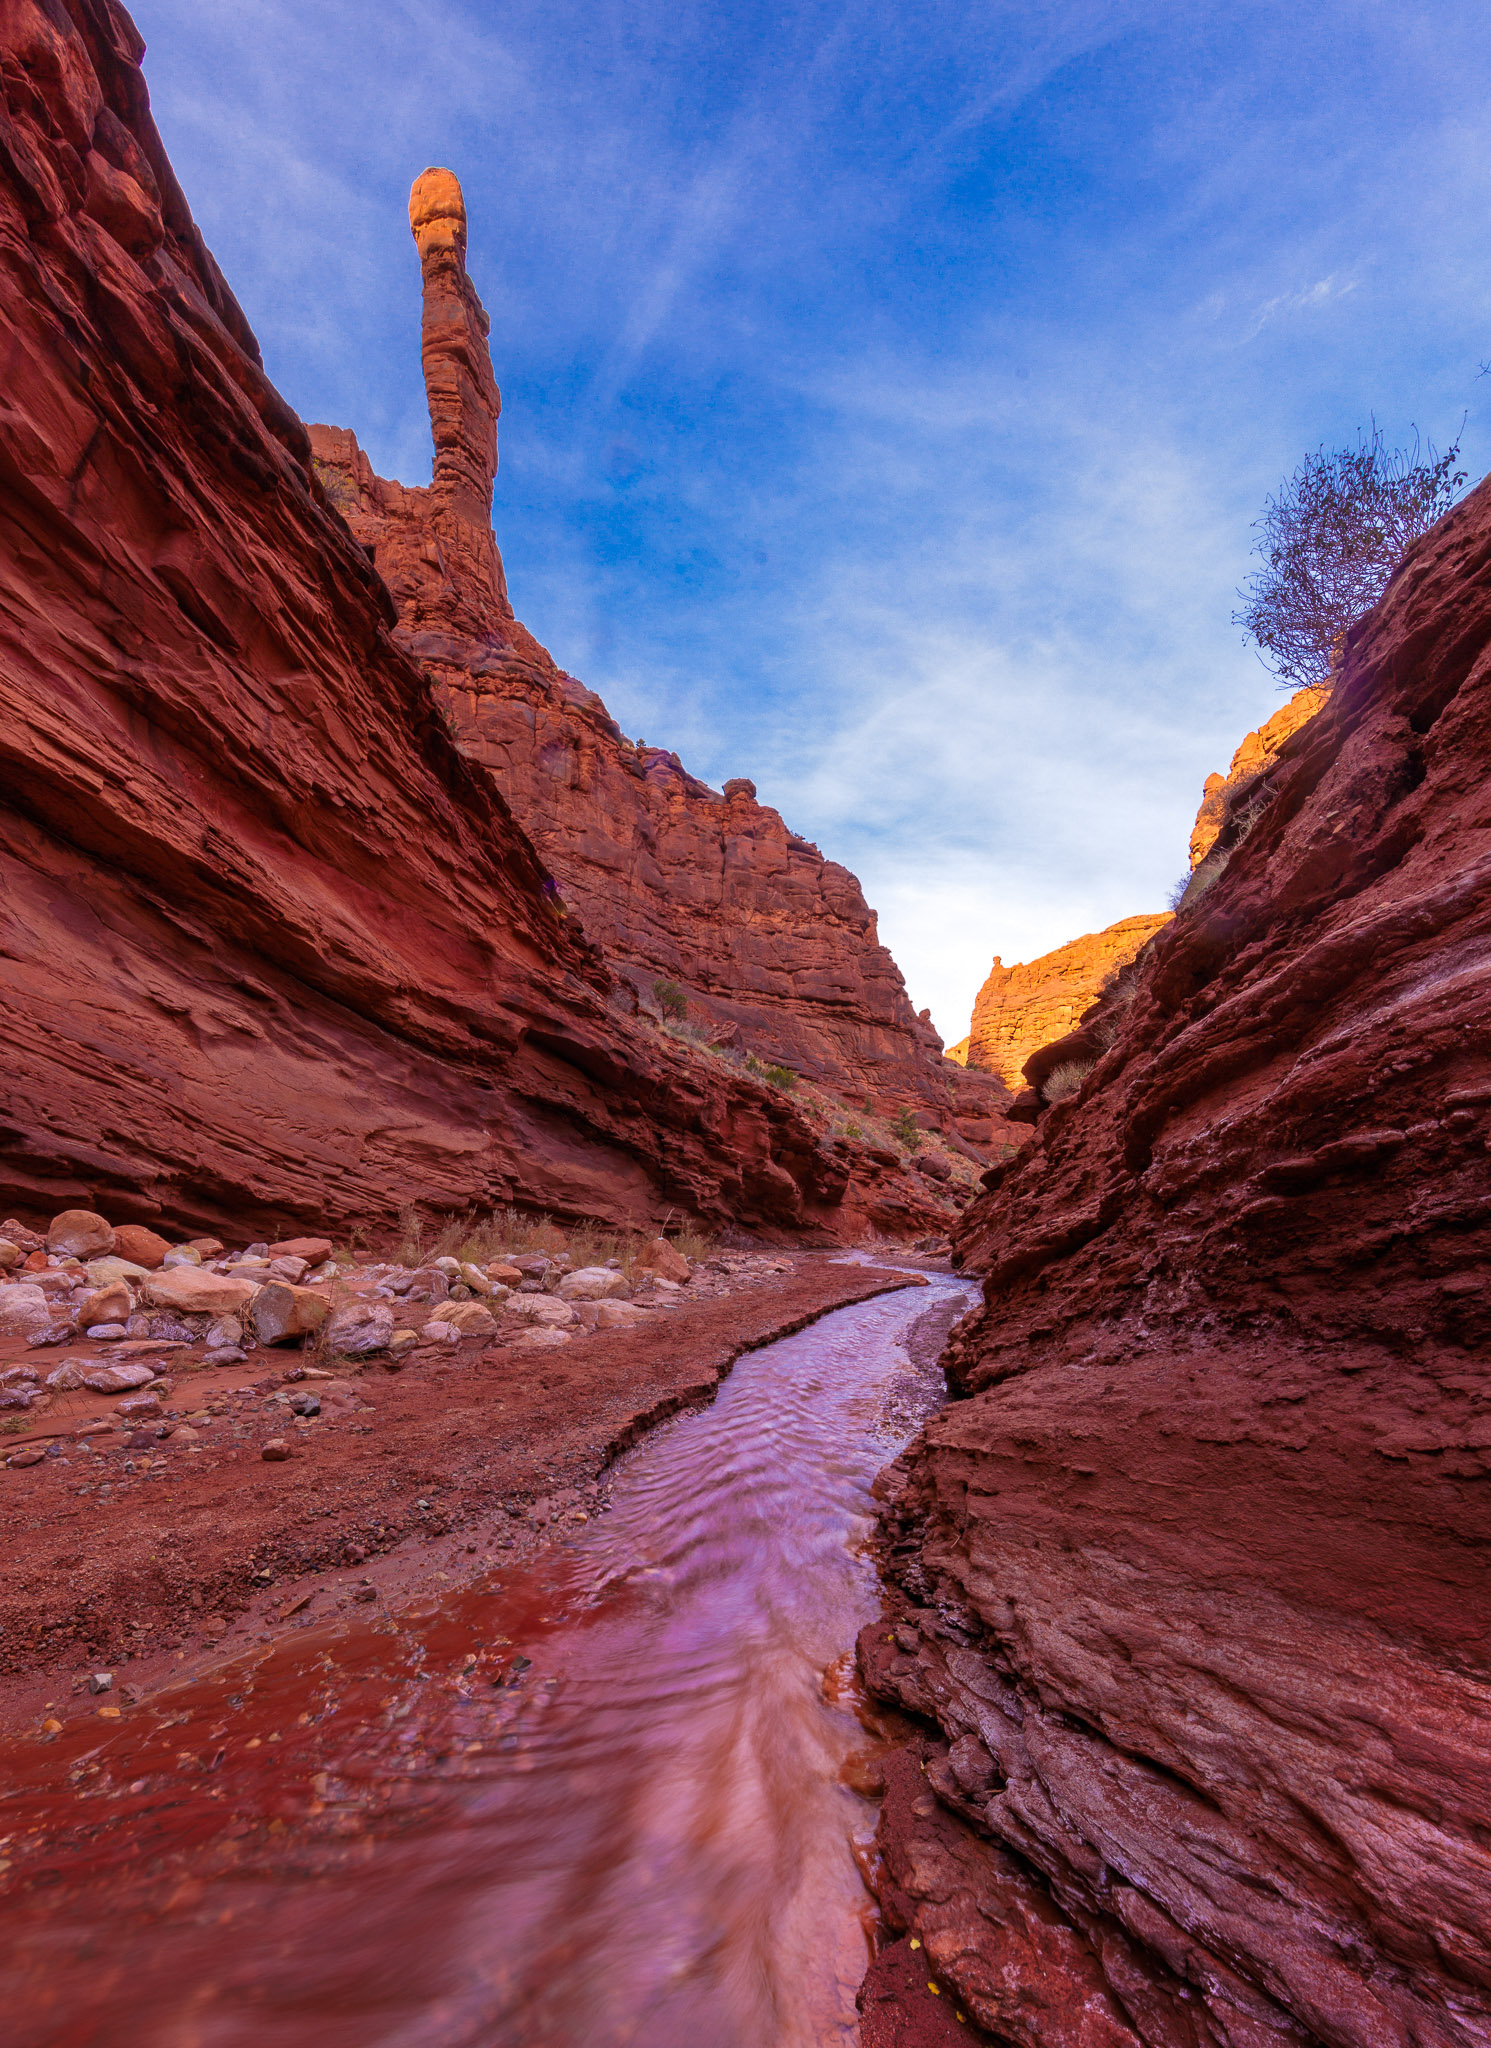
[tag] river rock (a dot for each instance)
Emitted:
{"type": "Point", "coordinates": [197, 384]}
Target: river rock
{"type": "Point", "coordinates": [111, 1304]}
{"type": "Point", "coordinates": [541, 1308]}
{"type": "Point", "coordinates": [141, 1246]}
{"type": "Point", "coordinates": [226, 1330]}
{"type": "Point", "coordinates": [117, 1377]}
{"type": "Point", "coordinates": [593, 1283]}
{"type": "Point", "coordinates": [105, 1272]}
{"type": "Point", "coordinates": [541, 1337]}
{"type": "Point", "coordinates": [502, 1274]}
{"type": "Point", "coordinates": [280, 1312]}
{"type": "Point", "coordinates": [474, 1278]}
{"type": "Point", "coordinates": [81, 1233]}
{"type": "Point", "coordinates": [24, 1310]}
{"type": "Point", "coordinates": [197, 1292]}
{"type": "Point", "coordinates": [663, 1259]}
{"type": "Point", "coordinates": [10, 1254]}
{"type": "Point", "coordinates": [182, 1255]}
{"type": "Point", "coordinates": [440, 1332]}
{"type": "Point", "coordinates": [617, 1315]}
{"type": "Point", "coordinates": [29, 1454]}
{"type": "Point", "coordinates": [312, 1249]}
{"type": "Point", "coordinates": [360, 1329]}
{"type": "Point", "coordinates": [471, 1318]}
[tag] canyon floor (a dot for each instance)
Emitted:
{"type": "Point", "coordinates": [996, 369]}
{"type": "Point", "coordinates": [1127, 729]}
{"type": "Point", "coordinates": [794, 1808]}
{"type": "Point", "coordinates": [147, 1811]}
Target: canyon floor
{"type": "Point", "coordinates": [148, 1547]}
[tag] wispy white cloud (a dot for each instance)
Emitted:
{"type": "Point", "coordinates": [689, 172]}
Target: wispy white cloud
{"type": "Point", "coordinates": [889, 387]}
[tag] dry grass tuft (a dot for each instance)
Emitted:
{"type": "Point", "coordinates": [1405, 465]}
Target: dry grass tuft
{"type": "Point", "coordinates": [1066, 1079]}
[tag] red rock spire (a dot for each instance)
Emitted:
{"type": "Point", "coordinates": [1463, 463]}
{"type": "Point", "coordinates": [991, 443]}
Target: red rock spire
{"type": "Point", "coordinates": [460, 385]}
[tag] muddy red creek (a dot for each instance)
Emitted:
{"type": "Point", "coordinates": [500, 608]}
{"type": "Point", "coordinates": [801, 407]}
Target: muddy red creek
{"type": "Point", "coordinates": [609, 1799]}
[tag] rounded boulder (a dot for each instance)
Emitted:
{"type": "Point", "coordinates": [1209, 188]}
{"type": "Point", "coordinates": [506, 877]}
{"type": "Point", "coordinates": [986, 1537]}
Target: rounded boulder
{"type": "Point", "coordinates": [80, 1234]}
{"type": "Point", "coordinates": [141, 1246]}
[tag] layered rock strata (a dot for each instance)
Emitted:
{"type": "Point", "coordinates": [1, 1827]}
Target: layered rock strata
{"type": "Point", "coordinates": [1022, 1008]}
{"type": "Point", "coordinates": [1190, 1582]}
{"type": "Point", "coordinates": [272, 949]}
{"type": "Point", "coordinates": [772, 947]}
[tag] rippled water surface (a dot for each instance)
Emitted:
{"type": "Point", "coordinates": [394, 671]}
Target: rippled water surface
{"type": "Point", "coordinates": [401, 1836]}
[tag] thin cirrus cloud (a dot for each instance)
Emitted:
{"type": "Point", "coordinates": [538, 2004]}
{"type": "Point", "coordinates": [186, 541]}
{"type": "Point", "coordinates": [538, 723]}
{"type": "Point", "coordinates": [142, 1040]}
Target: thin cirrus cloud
{"type": "Point", "coordinates": [888, 388]}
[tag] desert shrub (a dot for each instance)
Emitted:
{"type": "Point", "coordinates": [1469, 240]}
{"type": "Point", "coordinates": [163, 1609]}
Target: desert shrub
{"type": "Point", "coordinates": [671, 1000]}
{"type": "Point", "coordinates": [907, 1131]}
{"type": "Point", "coordinates": [776, 1077]}
{"type": "Point", "coordinates": [694, 1243]}
{"type": "Point", "coordinates": [339, 488]}
{"type": "Point", "coordinates": [1329, 541]}
{"type": "Point", "coordinates": [1066, 1079]}
{"type": "Point", "coordinates": [1200, 879]}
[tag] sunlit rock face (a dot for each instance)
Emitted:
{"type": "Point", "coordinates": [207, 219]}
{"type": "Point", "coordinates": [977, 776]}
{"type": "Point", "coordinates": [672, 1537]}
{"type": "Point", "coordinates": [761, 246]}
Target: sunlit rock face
{"type": "Point", "coordinates": [1256, 753]}
{"type": "Point", "coordinates": [274, 951]}
{"type": "Point", "coordinates": [1193, 1571]}
{"type": "Point", "coordinates": [1020, 1009]}
{"type": "Point", "coordinates": [773, 947]}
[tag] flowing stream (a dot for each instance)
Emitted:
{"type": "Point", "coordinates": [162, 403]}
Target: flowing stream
{"type": "Point", "coordinates": [605, 1801]}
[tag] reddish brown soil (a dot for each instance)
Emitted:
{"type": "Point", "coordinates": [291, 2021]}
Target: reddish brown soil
{"type": "Point", "coordinates": [487, 1452]}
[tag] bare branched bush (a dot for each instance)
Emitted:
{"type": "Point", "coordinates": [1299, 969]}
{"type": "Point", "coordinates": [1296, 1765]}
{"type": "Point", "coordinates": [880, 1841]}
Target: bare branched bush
{"type": "Point", "coordinates": [1329, 541]}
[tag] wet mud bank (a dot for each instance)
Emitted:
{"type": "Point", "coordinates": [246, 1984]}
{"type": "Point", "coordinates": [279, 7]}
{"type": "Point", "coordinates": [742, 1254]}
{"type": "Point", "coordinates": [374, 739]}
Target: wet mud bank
{"type": "Point", "coordinates": [606, 1790]}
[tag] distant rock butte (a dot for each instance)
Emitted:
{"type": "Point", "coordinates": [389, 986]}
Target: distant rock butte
{"type": "Point", "coordinates": [1257, 751]}
{"type": "Point", "coordinates": [273, 952]}
{"type": "Point", "coordinates": [774, 947]}
{"type": "Point", "coordinates": [1020, 1009]}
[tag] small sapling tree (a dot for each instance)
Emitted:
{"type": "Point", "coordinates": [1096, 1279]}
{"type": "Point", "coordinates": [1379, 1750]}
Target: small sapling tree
{"type": "Point", "coordinates": [1328, 542]}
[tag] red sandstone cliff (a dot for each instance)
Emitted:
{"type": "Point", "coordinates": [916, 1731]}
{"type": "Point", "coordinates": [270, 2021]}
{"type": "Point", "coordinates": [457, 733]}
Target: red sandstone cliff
{"type": "Point", "coordinates": [271, 951]}
{"type": "Point", "coordinates": [1193, 1577]}
{"type": "Point", "coordinates": [1020, 1009]}
{"type": "Point", "coordinates": [774, 946]}
{"type": "Point", "coordinates": [1255, 754]}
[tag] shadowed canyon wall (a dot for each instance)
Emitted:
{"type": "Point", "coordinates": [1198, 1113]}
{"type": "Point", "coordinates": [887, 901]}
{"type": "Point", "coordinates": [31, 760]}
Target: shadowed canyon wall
{"type": "Point", "coordinates": [1191, 1580]}
{"type": "Point", "coordinates": [271, 950]}
{"type": "Point", "coordinates": [774, 946]}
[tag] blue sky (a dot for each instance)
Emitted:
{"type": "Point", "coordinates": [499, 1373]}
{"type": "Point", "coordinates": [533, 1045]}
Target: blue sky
{"type": "Point", "coordinates": [888, 389]}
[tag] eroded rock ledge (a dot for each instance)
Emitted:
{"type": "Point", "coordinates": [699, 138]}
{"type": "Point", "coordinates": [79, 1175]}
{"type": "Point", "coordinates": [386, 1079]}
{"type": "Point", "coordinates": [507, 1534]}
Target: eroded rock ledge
{"type": "Point", "coordinates": [1190, 1582]}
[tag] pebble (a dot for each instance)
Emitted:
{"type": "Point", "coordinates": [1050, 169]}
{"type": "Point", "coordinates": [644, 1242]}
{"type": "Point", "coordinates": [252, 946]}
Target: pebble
{"type": "Point", "coordinates": [275, 1451]}
{"type": "Point", "coordinates": [102, 1331]}
{"type": "Point", "coordinates": [101, 1681]}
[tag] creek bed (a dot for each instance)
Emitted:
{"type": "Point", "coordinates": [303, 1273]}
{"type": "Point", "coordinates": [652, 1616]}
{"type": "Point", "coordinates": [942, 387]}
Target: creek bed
{"type": "Point", "coordinates": [604, 1801]}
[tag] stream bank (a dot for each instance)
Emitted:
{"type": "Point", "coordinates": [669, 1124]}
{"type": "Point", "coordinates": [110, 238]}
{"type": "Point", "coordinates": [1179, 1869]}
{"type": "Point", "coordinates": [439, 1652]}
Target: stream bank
{"type": "Point", "coordinates": [604, 1795]}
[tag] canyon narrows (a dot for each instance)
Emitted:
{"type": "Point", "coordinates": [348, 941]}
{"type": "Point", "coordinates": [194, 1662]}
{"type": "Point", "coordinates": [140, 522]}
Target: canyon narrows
{"type": "Point", "coordinates": [336, 913]}
{"type": "Point", "coordinates": [1193, 1574]}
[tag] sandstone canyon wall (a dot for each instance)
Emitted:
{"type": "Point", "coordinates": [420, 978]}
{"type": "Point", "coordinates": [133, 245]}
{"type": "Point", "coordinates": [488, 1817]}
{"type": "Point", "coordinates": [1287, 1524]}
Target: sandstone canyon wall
{"type": "Point", "coordinates": [1256, 753]}
{"type": "Point", "coordinates": [1191, 1581]}
{"type": "Point", "coordinates": [271, 951]}
{"type": "Point", "coordinates": [1020, 1009]}
{"type": "Point", "coordinates": [774, 946]}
